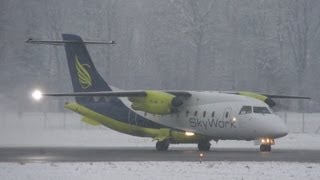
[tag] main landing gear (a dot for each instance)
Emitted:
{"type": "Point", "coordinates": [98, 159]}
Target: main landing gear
{"type": "Point", "coordinates": [204, 145]}
{"type": "Point", "coordinates": [162, 145]}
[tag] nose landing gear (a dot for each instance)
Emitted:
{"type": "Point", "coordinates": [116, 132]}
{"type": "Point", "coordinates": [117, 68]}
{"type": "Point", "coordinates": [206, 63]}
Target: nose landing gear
{"type": "Point", "coordinates": [265, 144]}
{"type": "Point", "coordinates": [265, 148]}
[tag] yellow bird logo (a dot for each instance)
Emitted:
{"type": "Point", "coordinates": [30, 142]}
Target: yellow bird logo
{"type": "Point", "coordinates": [83, 75]}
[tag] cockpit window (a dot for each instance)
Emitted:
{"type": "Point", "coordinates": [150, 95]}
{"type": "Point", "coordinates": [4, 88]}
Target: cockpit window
{"type": "Point", "coordinates": [261, 110]}
{"type": "Point", "coordinates": [246, 110]}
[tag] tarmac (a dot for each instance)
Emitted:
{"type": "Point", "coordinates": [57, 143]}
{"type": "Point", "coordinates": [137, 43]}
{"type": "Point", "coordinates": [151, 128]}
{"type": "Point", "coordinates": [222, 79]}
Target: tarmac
{"type": "Point", "coordinates": [100, 154]}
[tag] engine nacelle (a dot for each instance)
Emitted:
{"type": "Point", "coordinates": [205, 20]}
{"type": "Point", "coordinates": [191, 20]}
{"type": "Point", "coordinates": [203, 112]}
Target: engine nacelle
{"type": "Point", "coordinates": [261, 97]}
{"type": "Point", "coordinates": [156, 102]}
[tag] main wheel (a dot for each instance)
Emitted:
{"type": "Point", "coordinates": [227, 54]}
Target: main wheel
{"type": "Point", "coordinates": [265, 148]}
{"type": "Point", "coordinates": [204, 145]}
{"type": "Point", "coordinates": [162, 145]}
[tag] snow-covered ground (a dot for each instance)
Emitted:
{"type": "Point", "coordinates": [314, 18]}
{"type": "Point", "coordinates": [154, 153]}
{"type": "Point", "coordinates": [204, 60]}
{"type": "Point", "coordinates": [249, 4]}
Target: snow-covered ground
{"type": "Point", "coordinates": [160, 170]}
{"type": "Point", "coordinates": [39, 129]}
{"type": "Point", "coordinates": [109, 138]}
{"type": "Point", "coordinates": [36, 129]}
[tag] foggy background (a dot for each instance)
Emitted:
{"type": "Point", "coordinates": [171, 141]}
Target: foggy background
{"type": "Point", "coordinates": [270, 46]}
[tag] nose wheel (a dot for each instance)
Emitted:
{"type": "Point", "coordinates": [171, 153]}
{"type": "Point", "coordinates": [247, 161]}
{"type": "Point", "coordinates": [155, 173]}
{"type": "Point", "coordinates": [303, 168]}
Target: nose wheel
{"type": "Point", "coordinates": [265, 144]}
{"type": "Point", "coordinates": [265, 148]}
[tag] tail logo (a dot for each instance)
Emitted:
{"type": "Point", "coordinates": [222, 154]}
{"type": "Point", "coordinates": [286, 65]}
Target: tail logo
{"type": "Point", "coordinates": [83, 75]}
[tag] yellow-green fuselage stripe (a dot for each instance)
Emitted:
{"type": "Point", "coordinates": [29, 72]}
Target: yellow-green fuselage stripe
{"type": "Point", "coordinates": [157, 134]}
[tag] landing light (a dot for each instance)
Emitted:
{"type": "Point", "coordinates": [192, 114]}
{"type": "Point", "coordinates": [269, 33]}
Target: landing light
{"type": "Point", "coordinates": [267, 141]}
{"type": "Point", "coordinates": [189, 134]}
{"type": "Point", "coordinates": [234, 119]}
{"type": "Point", "coordinates": [37, 95]}
{"type": "Point", "coordinates": [200, 157]}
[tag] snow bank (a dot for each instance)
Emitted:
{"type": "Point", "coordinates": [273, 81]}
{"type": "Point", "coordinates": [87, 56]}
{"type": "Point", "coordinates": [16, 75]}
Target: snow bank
{"type": "Point", "coordinates": [161, 170]}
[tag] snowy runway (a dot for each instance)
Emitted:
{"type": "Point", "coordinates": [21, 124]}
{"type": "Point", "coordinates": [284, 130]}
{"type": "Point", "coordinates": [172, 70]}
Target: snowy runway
{"type": "Point", "coordinates": [82, 154]}
{"type": "Point", "coordinates": [226, 160]}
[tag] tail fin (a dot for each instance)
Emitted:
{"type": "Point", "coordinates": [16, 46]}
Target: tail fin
{"type": "Point", "coordinates": [84, 76]}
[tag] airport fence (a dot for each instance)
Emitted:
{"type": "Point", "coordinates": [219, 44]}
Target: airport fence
{"type": "Point", "coordinates": [301, 122]}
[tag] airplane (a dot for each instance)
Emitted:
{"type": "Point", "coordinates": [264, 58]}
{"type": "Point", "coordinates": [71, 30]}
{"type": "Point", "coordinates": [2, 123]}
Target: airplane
{"type": "Point", "coordinates": [167, 116]}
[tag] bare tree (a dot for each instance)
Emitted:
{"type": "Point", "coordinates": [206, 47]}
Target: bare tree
{"type": "Point", "coordinates": [193, 23]}
{"type": "Point", "coordinates": [302, 25]}
{"type": "Point", "coordinates": [5, 8]}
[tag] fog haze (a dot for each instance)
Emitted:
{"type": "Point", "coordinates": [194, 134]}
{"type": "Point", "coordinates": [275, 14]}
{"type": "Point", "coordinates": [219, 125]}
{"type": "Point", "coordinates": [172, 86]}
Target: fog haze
{"type": "Point", "coordinates": [269, 46]}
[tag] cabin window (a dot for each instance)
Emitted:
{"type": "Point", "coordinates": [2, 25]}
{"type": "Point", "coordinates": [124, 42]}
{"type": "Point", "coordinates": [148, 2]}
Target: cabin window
{"type": "Point", "coordinates": [212, 115]}
{"type": "Point", "coordinates": [145, 113]}
{"type": "Point", "coordinates": [261, 110]}
{"type": "Point", "coordinates": [245, 110]}
{"type": "Point", "coordinates": [195, 113]}
{"type": "Point", "coordinates": [227, 115]}
{"type": "Point", "coordinates": [204, 113]}
{"type": "Point", "coordinates": [187, 113]}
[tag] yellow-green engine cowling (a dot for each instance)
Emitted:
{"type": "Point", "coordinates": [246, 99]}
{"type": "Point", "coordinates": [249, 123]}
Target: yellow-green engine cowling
{"type": "Point", "coordinates": [156, 102]}
{"type": "Point", "coordinates": [258, 96]}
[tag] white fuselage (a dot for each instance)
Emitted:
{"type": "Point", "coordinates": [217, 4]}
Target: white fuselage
{"type": "Point", "coordinates": [218, 116]}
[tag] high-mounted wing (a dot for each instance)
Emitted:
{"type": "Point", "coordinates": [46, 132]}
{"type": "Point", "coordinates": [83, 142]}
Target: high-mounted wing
{"type": "Point", "coordinates": [285, 96]}
{"type": "Point", "coordinates": [119, 93]}
{"type": "Point", "coordinates": [267, 98]}
{"type": "Point", "coordinates": [156, 102]}
{"type": "Point", "coordinates": [102, 94]}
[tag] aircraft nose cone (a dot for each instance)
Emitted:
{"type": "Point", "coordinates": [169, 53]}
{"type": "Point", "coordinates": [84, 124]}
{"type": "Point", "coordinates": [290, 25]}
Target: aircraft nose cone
{"type": "Point", "coordinates": [282, 131]}
{"type": "Point", "coordinates": [275, 127]}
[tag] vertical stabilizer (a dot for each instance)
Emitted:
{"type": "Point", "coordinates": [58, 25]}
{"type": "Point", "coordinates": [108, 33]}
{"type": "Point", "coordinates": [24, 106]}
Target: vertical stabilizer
{"type": "Point", "coordinates": [84, 76]}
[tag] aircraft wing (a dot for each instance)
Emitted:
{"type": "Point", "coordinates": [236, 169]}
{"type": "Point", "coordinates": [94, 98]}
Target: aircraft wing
{"type": "Point", "coordinates": [267, 98]}
{"type": "Point", "coordinates": [285, 96]}
{"type": "Point", "coordinates": [156, 102]}
{"type": "Point", "coordinates": [101, 93]}
{"type": "Point", "coordinates": [119, 93]}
